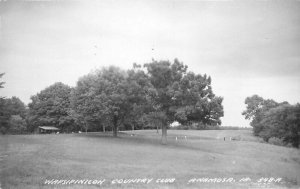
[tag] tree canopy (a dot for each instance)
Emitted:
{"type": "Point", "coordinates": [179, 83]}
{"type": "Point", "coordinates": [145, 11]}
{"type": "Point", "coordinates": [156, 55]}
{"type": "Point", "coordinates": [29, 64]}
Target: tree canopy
{"type": "Point", "coordinates": [159, 90]}
{"type": "Point", "coordinates": [51, 107]}
{"type": "Point", "coordinates": [183, 96]}
{"type": "Point", "coordinates": [271, 119]}
{"type": "Point", "coordinates": [110, 96]}
{"type": "Point", "coordinates": [11, 108]}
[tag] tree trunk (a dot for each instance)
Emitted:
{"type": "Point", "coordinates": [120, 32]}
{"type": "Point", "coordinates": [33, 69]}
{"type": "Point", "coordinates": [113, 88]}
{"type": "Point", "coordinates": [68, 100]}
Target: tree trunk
{"type": "Point", "coordinates": [103, 128]}
{"type": "Point", "coordinates": [115, 131]}
{"type": "Point", "coordinates": [157, 123]}
{"type": "Point", "coordinates": [86, 126]}
{"type": "Point", "coordinates": [164, 134]}
{"type": "Point", "coordinates": [115, 127]}
{"type": "Point", "coordinates": [132, 126]}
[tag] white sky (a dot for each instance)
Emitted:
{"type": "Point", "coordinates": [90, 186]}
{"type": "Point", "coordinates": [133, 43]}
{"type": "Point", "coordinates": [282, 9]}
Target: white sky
{"type": "Point", "coordinates": [247, 47]}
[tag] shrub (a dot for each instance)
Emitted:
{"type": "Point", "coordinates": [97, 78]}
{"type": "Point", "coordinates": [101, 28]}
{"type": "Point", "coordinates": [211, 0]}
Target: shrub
{"type": "Point", "coordinates": [282, 122]}
{"type": "Point", "coordinates": [276, 141]}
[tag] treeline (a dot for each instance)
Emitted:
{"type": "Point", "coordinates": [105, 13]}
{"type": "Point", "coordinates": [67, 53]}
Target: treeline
{"type": "Point", "coordinates": [276, 123]}
{"type": "Point", "coordinates": [198, 126]}
{"type": "Point", "coordinates": [152, 95]}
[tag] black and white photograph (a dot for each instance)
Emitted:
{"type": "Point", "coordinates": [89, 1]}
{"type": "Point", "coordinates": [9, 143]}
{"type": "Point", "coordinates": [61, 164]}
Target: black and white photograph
{"type": "Point", "coordinates": [164, 94]}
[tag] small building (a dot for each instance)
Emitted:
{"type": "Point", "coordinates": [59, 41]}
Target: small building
{"type": "Point", "coordinates": [48, 129]}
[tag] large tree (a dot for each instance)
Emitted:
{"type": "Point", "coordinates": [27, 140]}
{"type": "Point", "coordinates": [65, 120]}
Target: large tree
{"type": "Point", "coordinates": [51, 107]}
{"type": "Point", "coordinates": [110, 96]}
{"type": "Point", "coordinates": [88, 107]}
{"type": "Point", "coordinates": [256, 109]}
{"type": "Point", "coordinates": [182, 96]}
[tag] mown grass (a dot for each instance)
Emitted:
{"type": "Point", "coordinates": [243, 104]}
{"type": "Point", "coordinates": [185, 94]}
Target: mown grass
{"type": "Point", "coordinates": [27, 161]}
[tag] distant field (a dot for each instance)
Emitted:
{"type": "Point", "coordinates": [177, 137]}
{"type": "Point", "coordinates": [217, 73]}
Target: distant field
{"type": "Point", "coordinates": [26, 161]}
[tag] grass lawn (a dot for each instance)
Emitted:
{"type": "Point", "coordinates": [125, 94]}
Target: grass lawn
{"type": "Point", "coordinates": [26, 161]}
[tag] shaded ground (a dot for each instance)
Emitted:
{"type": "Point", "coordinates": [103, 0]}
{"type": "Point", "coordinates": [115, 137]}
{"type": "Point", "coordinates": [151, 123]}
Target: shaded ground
{"type": "Point", "coordinates": [27, 161]}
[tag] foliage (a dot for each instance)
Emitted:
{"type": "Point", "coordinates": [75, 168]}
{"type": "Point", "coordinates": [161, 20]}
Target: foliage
{"type": "Point", "coordinates": [256, 109]}
{"type": "Point", "coordinates": [110, 96]}
{"type": "Point", "coordinates": [282, 122]}
{"type": "Point", "coordinates": [14, 106]}
{"type": "Point", "coordinates": [17, 125]}
{"type": "Point", "coordinates": [182, 96]}
{"type": "Point", "coordinates": [85, 108]}
{"type": "Point", "coordinates": [157, 94]}
{"type": "Point", "coordinates": [10, 108]}
{"type": "Point", "coordinates": [276, 141]}
{"type": "Point", "coordinates": [1, 83]}
{"type": "Point", "coordinates": [153, 95]}
{"type": "Point", "coordinates": [51, 107]}
{"type": "Point", "coordinates": [271, 119]}
{"type": "Point", "coordinates": [12, 114]}
{"type": "Point", "coordinates": [156, 119]}
{"type": "Point", "coordinates": [4, 116]}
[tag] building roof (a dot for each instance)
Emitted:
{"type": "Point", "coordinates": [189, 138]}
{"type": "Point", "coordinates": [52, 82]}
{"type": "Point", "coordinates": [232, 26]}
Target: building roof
{"type": "Point", "coordinates": [49, 128]}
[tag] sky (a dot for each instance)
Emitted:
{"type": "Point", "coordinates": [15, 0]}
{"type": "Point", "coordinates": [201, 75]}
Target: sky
{"type": "Point", "coordinates": [247, 47]}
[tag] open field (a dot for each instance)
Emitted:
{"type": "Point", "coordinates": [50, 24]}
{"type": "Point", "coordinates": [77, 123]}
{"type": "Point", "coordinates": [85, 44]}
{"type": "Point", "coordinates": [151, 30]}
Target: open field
{"type": "Point", "coordinates": [26, 161]}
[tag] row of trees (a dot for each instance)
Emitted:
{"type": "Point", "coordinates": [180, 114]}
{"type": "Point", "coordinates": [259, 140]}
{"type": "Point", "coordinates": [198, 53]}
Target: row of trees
{"type": "Point", "coordinates": [274, 121]}
{"type": "Point", "coordinates": [155, 94]}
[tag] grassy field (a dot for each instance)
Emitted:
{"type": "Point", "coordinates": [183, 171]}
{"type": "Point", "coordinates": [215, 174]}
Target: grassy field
{"type": "Point", "coordinates": [26, 161]}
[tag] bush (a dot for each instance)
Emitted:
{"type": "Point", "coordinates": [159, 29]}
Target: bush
{"type": "Point", "coordinates": [283, 123]}
{"type": "Point", "coordinates": [276, 141]}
